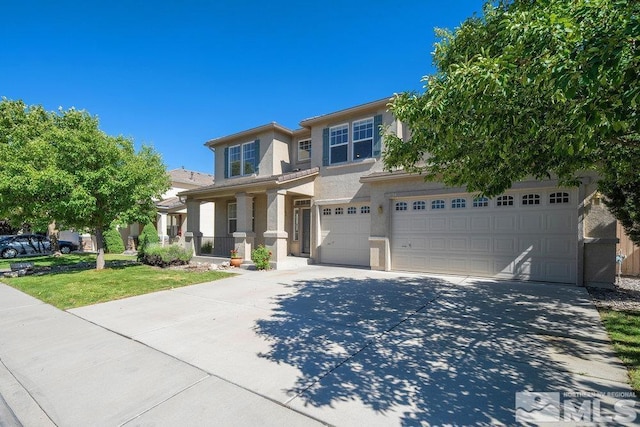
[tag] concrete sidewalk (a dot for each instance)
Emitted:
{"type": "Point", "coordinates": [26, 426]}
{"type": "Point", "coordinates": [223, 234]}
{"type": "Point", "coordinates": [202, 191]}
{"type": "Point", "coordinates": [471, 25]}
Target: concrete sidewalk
{"type": "Point", "coordinates": [304, 347]}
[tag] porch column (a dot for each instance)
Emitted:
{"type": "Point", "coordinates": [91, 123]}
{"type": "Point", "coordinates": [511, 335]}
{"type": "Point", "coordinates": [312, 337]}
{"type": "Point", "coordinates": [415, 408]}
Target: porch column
{"type": "Point", "coordinates": [276, 237]}
{"type": "Point", "coordinates": [244, 236]}
{"type": "Point", "coordinates": [193, 235]}
{"type": "Point", "coordinates": [162, 227]}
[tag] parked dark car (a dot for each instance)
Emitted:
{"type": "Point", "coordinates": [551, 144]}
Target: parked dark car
{"type": "Point", "coordinates": [31, 244]}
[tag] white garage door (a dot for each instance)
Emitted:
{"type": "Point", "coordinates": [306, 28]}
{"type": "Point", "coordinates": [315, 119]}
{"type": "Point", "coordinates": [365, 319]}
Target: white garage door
{"type": "Point", "coordinates": [528, 235]}
{"type": "Point", "coordinates": [345, 232]}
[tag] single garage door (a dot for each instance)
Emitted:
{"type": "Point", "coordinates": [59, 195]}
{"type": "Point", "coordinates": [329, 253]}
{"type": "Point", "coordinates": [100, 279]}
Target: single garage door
{"type": "Point", "coordinates": [344, 238]}
{"type": "Point", "coordinates": [527, 235]}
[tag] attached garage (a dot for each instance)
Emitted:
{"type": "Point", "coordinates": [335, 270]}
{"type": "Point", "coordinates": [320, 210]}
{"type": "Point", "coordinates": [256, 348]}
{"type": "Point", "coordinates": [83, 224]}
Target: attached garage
{"type": "Point", "coordinates": [525, 235]}
{"type": "Point", "coordinates": [344, 236]}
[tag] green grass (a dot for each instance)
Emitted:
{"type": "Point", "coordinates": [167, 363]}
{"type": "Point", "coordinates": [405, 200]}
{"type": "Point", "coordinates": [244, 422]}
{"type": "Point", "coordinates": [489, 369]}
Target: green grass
{"type": "Point", "coordinates": [51, 261]}
{"type": "Point", "coordinates": [624, 329]}
{"type": "Point", "coordinates": [78, 288]}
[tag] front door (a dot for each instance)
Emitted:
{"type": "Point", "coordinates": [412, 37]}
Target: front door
{"type": "Point", "coordinates": [306, 231]}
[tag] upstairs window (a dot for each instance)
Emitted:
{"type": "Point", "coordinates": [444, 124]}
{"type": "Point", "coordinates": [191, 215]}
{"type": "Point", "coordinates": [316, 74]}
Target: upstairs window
{"type": "Point", "coordinates": [242, 159]}
{"type": "Point", "coordinates": [304, 150]}
{"type": "Point", "coordinates": [556, 198]}
{"type": "Point", "coordinates": [339, 143]}
{"type": "Point", "coordinates": [363, 139]}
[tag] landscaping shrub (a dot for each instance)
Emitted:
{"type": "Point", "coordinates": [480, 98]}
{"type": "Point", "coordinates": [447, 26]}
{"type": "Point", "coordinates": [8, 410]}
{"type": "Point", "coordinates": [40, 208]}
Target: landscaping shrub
{"type": "Point", "coordinates": [165, 256]}
{"type": "Point", "coordinates": [112, 240]}
{"type": "Point", "coordinates": [206, 248]}
{"type": "Point", "coordinates": [260, 257]}
{"type": "Point", "coordinates": [148, 236]}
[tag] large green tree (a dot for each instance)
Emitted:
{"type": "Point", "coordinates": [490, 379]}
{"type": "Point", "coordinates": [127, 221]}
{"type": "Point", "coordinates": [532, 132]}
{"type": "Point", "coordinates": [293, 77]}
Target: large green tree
{"type": "Point", "coordinates": [531, 88]}
{"type": "Point", "coordinates": [59, 166]}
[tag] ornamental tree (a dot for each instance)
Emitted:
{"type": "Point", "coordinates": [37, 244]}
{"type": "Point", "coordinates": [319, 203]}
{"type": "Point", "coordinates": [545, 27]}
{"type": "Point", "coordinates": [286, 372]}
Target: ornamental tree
{"type": "Point", "coordinates": [61, 167]}
{"type": "Point", "coordinates": [545, 88]}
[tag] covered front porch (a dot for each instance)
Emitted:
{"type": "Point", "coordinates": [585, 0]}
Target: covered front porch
{"type": "Point", "coordinates": [274, 212]}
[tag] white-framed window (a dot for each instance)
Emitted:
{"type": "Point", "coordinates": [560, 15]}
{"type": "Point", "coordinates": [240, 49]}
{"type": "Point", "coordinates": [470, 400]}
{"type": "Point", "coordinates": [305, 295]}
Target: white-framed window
{"type": "Point", "coordinates": [504, 201]}
{"type": "Point", "coordinates": [339, 211]}
{"type": "Point", "coordinates": [232, 217]}
{"type": "Point", "coordinates": [480, 202]}
{"type": "Point", "coordinates": [557, 198]}
{"type": "Point", "coordinates": [531, 199]}
{"type": "Point", "coordinates": [437, 204]}
{"type": "Point", "coordinates": [248, 158]}
{"type": "Point", "coordinates": [365, 209]}
{"type": "Point", "coordinates": [458, 203]}
{"type": "Point", "coordinates": [326, 211]}
{"type": "Point", "coordinates": [401, 206]}
{"type": "Point", "coordinates": [304, 150]}
{"type": "Point", "coordinates": [338, 144]}
{"type": "Point", "coordinates": [351, 210]}
{"type": "Point", "coordinates": [242, 159]}
{"type": "Point", "coordinates": [296, 223]}
{"type": "Point", "coordinates": [419, 205]}
{"type": "Point", "coordinates": [363, 139]}
{"type": "Point", "coordinates": [235, 161]}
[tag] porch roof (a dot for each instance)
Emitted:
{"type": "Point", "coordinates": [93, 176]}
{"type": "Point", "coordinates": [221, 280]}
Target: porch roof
{"type": "Point", "coordinates": [252, 184]}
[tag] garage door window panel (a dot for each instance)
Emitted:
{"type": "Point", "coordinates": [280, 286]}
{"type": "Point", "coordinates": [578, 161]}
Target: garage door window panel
{"type": "Point", "coordinates": [437, 204]}
{"type": "Point", "coordinates": [365, 210]}
{"type": "Point", "coordinates": [458, 203]}
{"type": "Point", "coordinates": [480, 202]}
{"type": "Point", "coordinates": [558, 198]}
{"type": "Point", "coordinates": [326, 211]}
{"type": "Point", "coordinates": [504, 201]}
{"type": "Point", "coordinates": [530, 199]}
{"type": "Point", "coordinates": [401, 206]}
{"type": "Point", "coordinates": [419, 205]}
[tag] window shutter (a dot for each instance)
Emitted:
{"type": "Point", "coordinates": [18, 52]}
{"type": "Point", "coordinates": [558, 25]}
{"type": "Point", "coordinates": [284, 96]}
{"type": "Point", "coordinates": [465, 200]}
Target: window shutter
{"type": "Point", "coordinates": [226, 162]}
{"type": "Point", "coordinates": [377, 143]}
{"type": "Point", "coordinates": [325, 147]}
{"type": "Point", "coordinates": [256, 158]}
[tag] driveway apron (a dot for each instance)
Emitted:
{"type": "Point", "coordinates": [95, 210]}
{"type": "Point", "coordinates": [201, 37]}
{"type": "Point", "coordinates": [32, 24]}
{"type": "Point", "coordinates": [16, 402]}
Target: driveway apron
{"type": "Point", "coordinates": [341, 346]}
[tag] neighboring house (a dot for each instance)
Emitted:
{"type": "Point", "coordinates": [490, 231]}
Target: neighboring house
{"type": "Point", "coordinates": [321, 192]}
{"type": "Point", "coordinates": [172, 211]}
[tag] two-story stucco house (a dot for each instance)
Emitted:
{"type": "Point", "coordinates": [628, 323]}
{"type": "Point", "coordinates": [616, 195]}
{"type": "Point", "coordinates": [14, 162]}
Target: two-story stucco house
{"type": "Point", "coordinates": [321, 192]}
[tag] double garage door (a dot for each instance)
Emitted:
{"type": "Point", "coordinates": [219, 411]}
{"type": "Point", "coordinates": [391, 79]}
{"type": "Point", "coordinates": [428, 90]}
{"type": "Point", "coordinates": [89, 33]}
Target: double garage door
{"type": "Point", "coordinates": [528, 235]}
{"type": "Point", "coordinates": [344, 238]}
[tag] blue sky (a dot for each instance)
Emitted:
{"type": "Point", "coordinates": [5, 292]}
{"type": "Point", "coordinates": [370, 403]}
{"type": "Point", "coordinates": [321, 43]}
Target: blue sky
{"type": "Point", "coordinates": [174, 74]}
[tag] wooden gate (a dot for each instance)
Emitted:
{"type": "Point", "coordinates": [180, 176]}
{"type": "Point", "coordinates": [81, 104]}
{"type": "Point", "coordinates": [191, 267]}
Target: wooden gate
{"type": "Point", "coordinates": [631, 264]}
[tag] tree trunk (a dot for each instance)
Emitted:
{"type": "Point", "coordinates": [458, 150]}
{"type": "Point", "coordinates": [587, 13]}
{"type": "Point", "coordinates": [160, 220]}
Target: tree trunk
{"type": "Point", "coordinates": [53, 235]}
{"type": "Point", "coordinates": [100, 248]}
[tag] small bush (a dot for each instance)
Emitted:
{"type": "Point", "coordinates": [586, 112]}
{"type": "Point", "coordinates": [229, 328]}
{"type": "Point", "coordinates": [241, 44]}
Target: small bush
{"type": "Point", "coordinates": [206, 248]}
{"type": "Point", "coordinates": [112, 240]}
{"type": "Point", "coordinates": [165, 256]}
{"type": "Point", "coordinates": [260, 257]}
{"type": "Point", "coordinates": [148, 236]}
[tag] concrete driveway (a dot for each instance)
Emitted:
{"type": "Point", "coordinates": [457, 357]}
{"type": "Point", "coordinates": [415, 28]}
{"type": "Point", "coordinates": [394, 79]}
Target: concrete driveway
{"type": "Point", "coordinates": [320, 345]}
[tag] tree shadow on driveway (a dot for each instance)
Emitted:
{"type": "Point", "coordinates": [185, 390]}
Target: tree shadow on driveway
{"type": "Point", "coordinates": [425, 350]}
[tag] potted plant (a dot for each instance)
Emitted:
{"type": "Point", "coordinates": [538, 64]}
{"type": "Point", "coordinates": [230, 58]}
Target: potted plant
{"type": "Point", "coordinates": [236, 259]}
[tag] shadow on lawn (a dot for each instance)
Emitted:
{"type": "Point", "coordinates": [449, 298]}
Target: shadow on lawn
{"type": "Point", "coordinates": [425, 350]}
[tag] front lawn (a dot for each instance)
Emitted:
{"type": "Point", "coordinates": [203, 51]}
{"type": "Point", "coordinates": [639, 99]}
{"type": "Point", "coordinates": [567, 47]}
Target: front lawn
{"type": "Point", "coordinates": [624, 329]}
{"type": "Point", "coordinates": [69, 259]}
{"type": "Point", "coordinates": [70, 289]}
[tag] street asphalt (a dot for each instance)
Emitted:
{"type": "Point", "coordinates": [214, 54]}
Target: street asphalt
{"type": "Point", "coordinates": [312, 346]}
